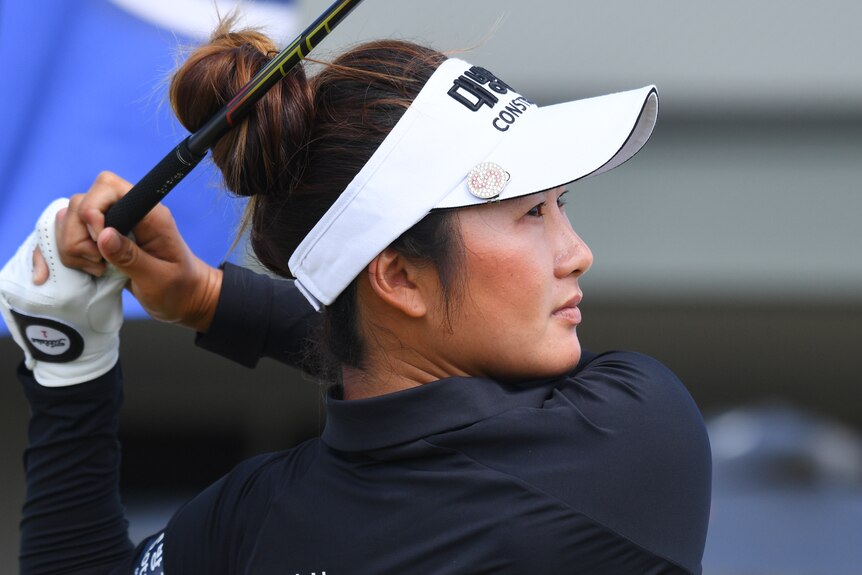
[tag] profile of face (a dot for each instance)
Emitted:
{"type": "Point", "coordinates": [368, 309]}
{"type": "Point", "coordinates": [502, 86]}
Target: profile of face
{"type": "Point", "coordinates": [517, 316]}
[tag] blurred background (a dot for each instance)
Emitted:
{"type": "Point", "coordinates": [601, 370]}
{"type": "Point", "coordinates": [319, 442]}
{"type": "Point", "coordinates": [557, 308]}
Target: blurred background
{"type": "Point", "coordinates": [730, 248]}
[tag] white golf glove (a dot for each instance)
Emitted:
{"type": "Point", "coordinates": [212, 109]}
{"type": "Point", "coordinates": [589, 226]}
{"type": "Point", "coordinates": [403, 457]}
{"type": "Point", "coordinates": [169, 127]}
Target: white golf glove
{"type": "Point", "coordinates": [69, 326]}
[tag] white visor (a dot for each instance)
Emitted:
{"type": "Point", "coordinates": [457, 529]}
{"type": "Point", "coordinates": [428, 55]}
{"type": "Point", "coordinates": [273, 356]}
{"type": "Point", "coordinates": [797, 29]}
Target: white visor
{"type": "Point", "coordinates": [468, 138]}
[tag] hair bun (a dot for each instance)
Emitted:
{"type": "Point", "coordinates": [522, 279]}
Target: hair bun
{"type": "Point", "coordinates": [273, 132]}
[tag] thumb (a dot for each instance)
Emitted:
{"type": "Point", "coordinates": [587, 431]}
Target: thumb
{"type": "Point", "coordinates": [122, 252]}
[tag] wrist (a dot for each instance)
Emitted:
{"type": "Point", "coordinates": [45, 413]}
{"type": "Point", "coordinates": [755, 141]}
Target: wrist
{"type": "Point", "coordinates": [207, 300]}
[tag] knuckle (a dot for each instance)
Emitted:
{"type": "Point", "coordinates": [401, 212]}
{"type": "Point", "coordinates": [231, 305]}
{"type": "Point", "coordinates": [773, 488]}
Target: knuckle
{"type": "Point", "coordinates": [127, 257]}
{"type": "Point", "coordinates": [106, 190]}
{"type": "Point", "coordinates": [160, 214]}
{"type": "Point", "coordinates": [68, 260]}
{"type": "Point", "coordinates": [106, 178]}
{"type": "Point", "coordinates": [70, 254]}
{"type": "Point", "coordinates": [96, 270]}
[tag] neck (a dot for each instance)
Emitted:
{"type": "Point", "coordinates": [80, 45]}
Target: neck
{"type": "Point", "coordinates": [394, 369]}
{"type": "Point", "coordinates": [398, 353]}
{"type": "Point", "coordinates": [373, 380]}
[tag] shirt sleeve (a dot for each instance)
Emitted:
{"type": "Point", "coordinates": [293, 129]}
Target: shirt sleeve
{"type": "Point", "coordinates": [621, 442]}
{"type": "Point", "coordinates": [72, 520]}
{"type": "Point", "coordinates": [648, 453]}
{"type": "Point", "coordinates": [258, 316]}
{"type": "Point", "coordinates": [149, 557]}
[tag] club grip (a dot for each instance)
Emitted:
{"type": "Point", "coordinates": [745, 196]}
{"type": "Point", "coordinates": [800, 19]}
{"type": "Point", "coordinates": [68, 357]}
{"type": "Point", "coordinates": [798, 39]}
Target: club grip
{"type": "Point", "coordinates": [149, 191]}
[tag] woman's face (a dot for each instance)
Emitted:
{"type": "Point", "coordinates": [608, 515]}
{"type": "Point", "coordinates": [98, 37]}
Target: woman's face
{"type": "Point", "coordinates": [518, 313]}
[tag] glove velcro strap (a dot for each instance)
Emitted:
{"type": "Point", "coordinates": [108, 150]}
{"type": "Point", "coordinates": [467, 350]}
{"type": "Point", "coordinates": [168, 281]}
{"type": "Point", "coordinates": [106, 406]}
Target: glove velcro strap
{"type": "Point", "coordinates": [48, 339]}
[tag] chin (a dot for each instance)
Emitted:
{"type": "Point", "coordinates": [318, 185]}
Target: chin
{"type": "Point", "coordinates": [568, 358]}
{"type": "Point", "coordinates": [553, 365]}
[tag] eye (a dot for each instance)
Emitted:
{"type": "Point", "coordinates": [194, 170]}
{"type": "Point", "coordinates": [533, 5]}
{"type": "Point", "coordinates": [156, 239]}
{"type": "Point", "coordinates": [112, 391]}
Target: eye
{"type": "Point", "coordinates": [537, 211]}
{"type": "Point", "coordinates": [561, 201]}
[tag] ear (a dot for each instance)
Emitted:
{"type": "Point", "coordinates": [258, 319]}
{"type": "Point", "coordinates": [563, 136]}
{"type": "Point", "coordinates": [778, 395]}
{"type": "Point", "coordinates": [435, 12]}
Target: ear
{"type": "Point", "coordinates": [398, 283]}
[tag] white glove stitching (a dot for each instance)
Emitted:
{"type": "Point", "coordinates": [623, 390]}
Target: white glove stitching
{"type": "Point", "coordinates": [69, 326]}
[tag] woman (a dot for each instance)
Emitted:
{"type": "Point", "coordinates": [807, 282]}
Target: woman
{"type": "Point", "coordinates": [417, 200]}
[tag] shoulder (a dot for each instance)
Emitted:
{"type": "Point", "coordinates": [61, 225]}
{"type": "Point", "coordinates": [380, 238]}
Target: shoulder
{"type": "Point", "coordinates": [626, 367]}
{"type": "Point", "coordinates": [639, 408]}
{"type": "Point", "coordinates": [618, 440]}
{"type": "Point", "coordinates": [623, 383]}
{"type": "Point", "coordinates": [256, 479]}
{"type": "Point", "coordinates": [634, 396]}
{"type": "Point", "coordinates": [616, 446]}
{"type": "Point", "coordinates": [643, 440]}
{"type": "Point", "coordinates": [210, 528]}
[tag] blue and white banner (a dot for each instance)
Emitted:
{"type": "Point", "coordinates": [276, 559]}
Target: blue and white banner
{"type": "Point", "coordinates": [84, 87]}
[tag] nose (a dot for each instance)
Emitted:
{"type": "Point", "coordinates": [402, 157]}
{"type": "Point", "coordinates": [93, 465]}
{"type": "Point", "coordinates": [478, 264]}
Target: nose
{"type": "Point", "coordinates": [573, 256]}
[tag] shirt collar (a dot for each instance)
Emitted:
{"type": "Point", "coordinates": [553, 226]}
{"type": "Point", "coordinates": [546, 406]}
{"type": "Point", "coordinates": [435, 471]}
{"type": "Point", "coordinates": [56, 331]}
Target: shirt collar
{"type": "Point", "coordinates": [410, 414]}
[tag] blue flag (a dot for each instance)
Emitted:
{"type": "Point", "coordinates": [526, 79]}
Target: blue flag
{"type": "Point", "coordinates": [84, 90]}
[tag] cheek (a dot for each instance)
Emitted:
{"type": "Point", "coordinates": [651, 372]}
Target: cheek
{"type": "Point", "coordinates": [508, 289]}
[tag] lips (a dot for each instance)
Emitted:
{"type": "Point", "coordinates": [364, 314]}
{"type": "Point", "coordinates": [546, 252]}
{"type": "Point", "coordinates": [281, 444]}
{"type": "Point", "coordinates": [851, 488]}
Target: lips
{"type": "Point", "coordinates": [569, 311]}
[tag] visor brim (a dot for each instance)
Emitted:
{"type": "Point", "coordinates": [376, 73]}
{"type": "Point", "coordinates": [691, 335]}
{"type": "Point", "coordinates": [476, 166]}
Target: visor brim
{"type": "Point", "coordinates": [562, 143]}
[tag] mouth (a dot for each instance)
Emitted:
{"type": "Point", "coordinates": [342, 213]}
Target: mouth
{"type": "Point", "coordinates": [569, 311]}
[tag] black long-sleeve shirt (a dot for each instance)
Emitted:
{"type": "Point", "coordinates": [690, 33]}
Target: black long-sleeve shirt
{"type": "Point", "coordinates": [603, 470]}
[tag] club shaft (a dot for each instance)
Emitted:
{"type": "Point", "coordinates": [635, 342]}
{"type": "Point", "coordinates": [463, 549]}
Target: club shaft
{"type": "Point", "coordinates": [152, 188]}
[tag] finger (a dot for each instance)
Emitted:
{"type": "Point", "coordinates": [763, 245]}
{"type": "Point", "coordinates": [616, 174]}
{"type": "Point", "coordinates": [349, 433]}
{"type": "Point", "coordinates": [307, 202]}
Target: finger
{"type": "Point", "coordinates": [40, 267]}
{"type": "Point", "coordinates": [157, 235]}
{"type": "Point", "coordinates": [125, 255]}
{"type": "Point", "coordinates": [106, 191]}
{"type": "Point", "coordinates": [79, 226]}
{"type": "Point", "coordinates": [74, 245]}
{"type": "Point", "coordinates": [92, 268]}
{"type": "Point", "coordinates": [157, 224]}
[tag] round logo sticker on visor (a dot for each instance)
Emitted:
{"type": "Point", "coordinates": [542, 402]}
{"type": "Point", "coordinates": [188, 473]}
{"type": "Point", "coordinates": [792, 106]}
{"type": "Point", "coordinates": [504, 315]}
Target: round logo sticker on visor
{"type": "Point", "coordinates": [487, 180]}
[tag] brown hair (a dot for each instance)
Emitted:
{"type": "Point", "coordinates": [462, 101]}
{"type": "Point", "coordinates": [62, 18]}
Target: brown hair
{"type": "Point", "coordinates": [303, 144]}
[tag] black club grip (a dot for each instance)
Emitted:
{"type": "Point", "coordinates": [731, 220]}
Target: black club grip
{"type": "Point", "coordinates": [149, 191]}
